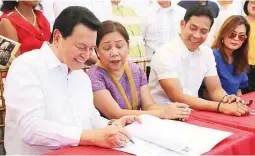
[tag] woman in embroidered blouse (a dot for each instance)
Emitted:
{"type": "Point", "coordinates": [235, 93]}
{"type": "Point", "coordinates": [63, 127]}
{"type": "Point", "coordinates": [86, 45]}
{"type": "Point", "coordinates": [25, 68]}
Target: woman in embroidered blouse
{"type": "Point", "coordinates": [119, 86]}
{"type": "Point", "coordinates": [21, 22]}
{"type": "Point", "coordinates": [230, 49]}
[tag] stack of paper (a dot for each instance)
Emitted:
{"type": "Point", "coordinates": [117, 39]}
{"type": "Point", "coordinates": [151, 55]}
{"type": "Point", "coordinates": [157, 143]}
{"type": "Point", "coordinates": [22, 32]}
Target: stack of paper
{"type": "Point", "coordinates": [171, 137]}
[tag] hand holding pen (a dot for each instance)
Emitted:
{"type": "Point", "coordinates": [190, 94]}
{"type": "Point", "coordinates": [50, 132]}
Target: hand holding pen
{"type": "Point", "coordinates": [112, 136]}
{"type": "Point", "coordinates": [126, 120]}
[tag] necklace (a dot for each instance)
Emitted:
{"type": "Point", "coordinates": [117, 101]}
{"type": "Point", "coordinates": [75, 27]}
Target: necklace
{"type": "Point", "coordinates": [34, 24]}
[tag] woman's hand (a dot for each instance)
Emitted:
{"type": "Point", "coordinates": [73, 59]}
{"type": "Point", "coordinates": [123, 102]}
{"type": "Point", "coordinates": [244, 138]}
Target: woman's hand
{"type": "Point", "coordinates": [175, 111]}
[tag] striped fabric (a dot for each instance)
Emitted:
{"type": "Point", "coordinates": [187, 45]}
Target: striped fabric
{"type": "Point", "coordinates": [127, 17]}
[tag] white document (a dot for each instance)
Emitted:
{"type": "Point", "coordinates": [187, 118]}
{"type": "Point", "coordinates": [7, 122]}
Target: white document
{"type": "Point", "coordinates": [145, 148]}
{"type": "Point", "coordinates": [177, 136]}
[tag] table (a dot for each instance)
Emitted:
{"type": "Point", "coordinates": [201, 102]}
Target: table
{"type": "Point", "coordinates": [246, 123]}
{"type": "Point", "coordinates": [86, 150]}
{"type": "Point", "coordinates": [241, 142]}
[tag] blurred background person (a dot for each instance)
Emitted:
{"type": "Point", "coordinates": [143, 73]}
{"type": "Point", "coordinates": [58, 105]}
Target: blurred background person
{"type": "Point", "coordinates": [21, 22]}
{"type": "Point", "coordinates": [210, 4]}
{"type": "Point", "coordinates": [127, 16]}
{"type": "Point", "coordinates": [48, 11]}
{"type": "Point", "coordinates": [249, 9]}
{"type": "Point", "coordinates": [227, 8]}
{"type": "Point", "coordinates": [140, 6]}
{"type": "Point", "coordinates": [101, 8]}
{"type": "Point", "coordinates": [159, 25]}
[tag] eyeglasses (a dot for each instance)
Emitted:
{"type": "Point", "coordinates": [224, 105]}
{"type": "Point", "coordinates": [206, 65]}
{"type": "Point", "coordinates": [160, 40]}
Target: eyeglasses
{"type": "Point", "coordinates": [252, 2]}
{"type": "Point", "coordinates": [241, 37]}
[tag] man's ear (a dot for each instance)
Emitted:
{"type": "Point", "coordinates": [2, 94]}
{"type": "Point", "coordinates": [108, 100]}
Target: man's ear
{"type": "Point", "coordinates": [182, 24]}
{"type": "Point", "coordinates": [56, 36]}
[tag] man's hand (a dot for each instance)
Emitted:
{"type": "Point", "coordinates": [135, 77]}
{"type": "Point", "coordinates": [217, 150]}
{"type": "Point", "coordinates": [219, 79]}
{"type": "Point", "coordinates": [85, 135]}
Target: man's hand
{"type": "Point", "coordinates": [109, 137]}
{"type": "Point", "coordinates": [234, 108]}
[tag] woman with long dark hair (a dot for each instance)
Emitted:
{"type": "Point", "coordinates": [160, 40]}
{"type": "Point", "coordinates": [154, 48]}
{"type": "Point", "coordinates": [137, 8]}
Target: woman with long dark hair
{"type": "Point", "coordinates": [21, 22]}
{"type": "Point", "coordinates": [230, 49]}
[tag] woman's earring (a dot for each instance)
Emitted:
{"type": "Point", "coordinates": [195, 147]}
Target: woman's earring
{"type": "Point", "coordinates": [222, 41]}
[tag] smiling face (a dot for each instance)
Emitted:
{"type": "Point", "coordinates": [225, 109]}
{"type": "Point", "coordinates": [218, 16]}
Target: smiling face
{"type": "Point", "coordinates": [194, 32]}
{"type": "Point", "coordinates": [113, 51]}
{"type": "Point", "coordinates": [75, 49]}
{"type": "Point", "coordinates": [234, 40]}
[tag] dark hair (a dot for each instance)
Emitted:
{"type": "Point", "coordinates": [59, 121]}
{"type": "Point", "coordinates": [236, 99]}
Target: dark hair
{"type": "Point", "coordinates": [71, 17]}
{"type": "Point", "coordinates": [9, 5]}
{"type": "Point", "coordinates": [109, 27]}
{"type": "Point", "coordinates": [199, 10]}
{"type": "Point", "coordinates": [245, 7]}
{"type": "Point", "coordinates": [241, 54]}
